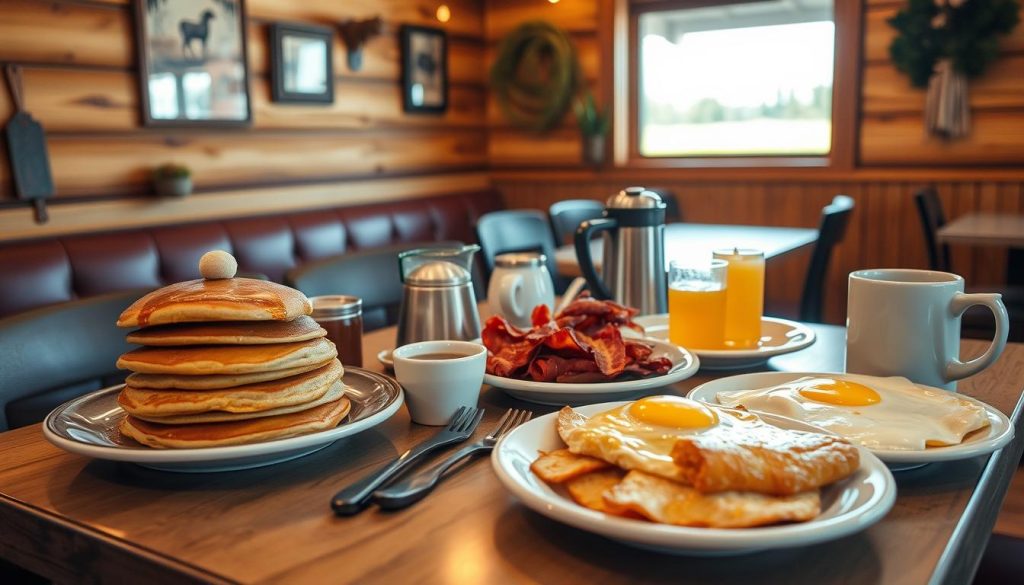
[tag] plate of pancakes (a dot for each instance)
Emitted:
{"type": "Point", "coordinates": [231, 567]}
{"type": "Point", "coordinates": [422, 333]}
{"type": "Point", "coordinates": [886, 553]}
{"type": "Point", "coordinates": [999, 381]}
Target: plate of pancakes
{"type": "Point", "coordinates": [902, 423]}
{"type": "Point", "coordinates": [675, 475]}
{"type": "Point", "coordinates": [231, 373]}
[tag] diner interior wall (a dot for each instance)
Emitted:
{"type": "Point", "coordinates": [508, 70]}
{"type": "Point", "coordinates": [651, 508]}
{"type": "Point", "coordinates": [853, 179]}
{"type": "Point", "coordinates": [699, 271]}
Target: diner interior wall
{"type": "Point", "coordinates": [894, 160]}
{"type": "Point", "coordinates": [80, 77]}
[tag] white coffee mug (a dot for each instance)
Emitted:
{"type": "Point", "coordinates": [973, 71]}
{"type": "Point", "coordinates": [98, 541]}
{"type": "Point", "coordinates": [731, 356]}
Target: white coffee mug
{"type": "Point", "coordinates": [436, 383]}
{"type": "Point", "coordinates": [519, 283]}
{"type": "Point", "coordinates": [903, 322]}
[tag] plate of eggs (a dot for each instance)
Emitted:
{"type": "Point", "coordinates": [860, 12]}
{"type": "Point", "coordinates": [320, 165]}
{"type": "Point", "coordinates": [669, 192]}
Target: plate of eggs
{"type": "Point", "coordinates": [901, 422]}
{"type": "Point", "coordinates": [676, 475]}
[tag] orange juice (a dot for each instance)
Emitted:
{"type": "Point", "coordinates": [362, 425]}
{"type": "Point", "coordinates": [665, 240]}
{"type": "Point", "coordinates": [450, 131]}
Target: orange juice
{"type": "Point", "coordinates": [744, 303]}
{"type": "Point", "coordinates": [696, 316]}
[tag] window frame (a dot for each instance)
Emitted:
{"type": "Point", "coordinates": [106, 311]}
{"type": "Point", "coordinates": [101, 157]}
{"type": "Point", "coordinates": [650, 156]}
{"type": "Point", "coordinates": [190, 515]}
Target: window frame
{"type": "Point", "coordinates": [620, 27]}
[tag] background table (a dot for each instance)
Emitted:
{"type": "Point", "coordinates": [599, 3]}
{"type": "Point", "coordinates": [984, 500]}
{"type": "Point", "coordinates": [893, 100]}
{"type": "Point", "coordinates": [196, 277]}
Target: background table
{"type": "Point", "coordinates": [696, 241]}
{"type": "Point", "coordinates": [984, 229]}
{"type": "Point", "coordinates": [67, 516]}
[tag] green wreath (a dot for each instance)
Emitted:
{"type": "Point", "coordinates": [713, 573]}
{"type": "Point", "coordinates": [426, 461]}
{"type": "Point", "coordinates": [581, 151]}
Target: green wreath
{"type": "Point", "coordinates": [535, 75]}
{"type": "Point", "coordinates": [966, 33]}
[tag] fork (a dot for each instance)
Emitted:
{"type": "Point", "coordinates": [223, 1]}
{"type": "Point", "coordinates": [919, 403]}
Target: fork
{"type": "Point", "coordinates": [355, 497]}
{"type": "Point", "coordinates": [412, 490]}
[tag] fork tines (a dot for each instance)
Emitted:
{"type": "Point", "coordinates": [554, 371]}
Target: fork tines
{"type": "Point", "coordinates": [512, 418]}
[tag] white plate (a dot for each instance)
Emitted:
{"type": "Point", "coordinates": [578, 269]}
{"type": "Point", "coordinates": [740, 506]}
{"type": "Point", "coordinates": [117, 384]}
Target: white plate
{"type": "Point", "coordinates": [385, 359]}
{"type": "Point", "coordinates": [848, 506]}
{"type": "Point", "coordinates": [684, 365]}
{"type": "Point", "coordinates": [1000, 431]}
{"type": "Point", "coordinates": [88, 424]}
{"type": "Point", "coordinates": [778, 336]}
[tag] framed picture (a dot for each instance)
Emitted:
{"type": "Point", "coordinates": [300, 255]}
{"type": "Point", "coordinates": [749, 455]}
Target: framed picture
{"type": "Point", "coordinates": [193, 69]}
{"type": "Point", "coordinates": [302, 69]}
{"type": "Point", "coordinates": [424, 69]}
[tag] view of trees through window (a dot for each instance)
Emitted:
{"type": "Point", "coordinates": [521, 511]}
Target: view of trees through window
{"type": "Point", "coordinates": [762, 86]}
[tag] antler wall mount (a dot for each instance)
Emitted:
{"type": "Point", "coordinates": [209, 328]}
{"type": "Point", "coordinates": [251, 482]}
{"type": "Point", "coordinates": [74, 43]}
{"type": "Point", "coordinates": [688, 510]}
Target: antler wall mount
{"type": "Point", "coordinates": [355, 34]}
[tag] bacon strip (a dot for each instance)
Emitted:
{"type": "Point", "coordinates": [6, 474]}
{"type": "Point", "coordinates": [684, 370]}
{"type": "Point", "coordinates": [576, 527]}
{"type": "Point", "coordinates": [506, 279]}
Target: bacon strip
{"type": "Point", "coordinates": [581, 344]}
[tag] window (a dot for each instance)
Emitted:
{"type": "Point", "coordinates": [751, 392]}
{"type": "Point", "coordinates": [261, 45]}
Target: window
{"type": "Point", "coordinates": [735, 79]}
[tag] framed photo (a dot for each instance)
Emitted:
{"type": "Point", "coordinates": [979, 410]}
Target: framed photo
{"type": "Point", "coordinates": [302, 69]}
{"type": "Point", "coordinates": [193, 68]}
{"type": "Point", "coordinates": [424, 69]}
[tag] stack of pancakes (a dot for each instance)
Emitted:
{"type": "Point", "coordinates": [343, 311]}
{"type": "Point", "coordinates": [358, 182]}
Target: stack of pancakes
{"type": "Point", "coordinates": [225, 362]}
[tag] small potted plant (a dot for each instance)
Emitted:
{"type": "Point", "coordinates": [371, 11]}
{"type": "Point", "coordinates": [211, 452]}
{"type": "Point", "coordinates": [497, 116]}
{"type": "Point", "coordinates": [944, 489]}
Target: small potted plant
{"type": "Point", "coordinates": [594, 124]}
{"type": "Point", "coordinates": [171, 180]}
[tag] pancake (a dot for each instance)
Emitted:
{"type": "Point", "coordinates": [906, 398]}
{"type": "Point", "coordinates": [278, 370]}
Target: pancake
{"type": "Point", "coordinates": [221, 434]}
{"type": "Point", "coordinates": [229, 333]}
{"type": "Point", "coordinates": [331, 394]}
{"type": "Point", "coordinates": [228, 299]}
{"type": "Point", "coordinates": [194, 360]}
{"type": "Point", "coordinates": [301, 389]}
{"type": "Point", "coordinates": [214, 382]}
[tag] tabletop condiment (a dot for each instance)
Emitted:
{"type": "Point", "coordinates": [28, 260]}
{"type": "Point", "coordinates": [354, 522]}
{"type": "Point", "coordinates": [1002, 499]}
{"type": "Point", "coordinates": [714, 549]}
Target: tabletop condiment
{"type": "Point", "coordinates": [342, 317]}
{"type": "Point", "coordinates": [744, 302]}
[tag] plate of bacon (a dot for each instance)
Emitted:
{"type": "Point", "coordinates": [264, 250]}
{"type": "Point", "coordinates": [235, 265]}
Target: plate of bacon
{"type": "Point", "coordinates": [580, 356]}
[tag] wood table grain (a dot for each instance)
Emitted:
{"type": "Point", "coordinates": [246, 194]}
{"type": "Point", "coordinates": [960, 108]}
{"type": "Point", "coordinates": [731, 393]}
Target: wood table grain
{"type": "Point", "coordinates": [74, 519]}
{"type": "Point", "coordinates": [697, 241]}
{"type": "Point", "coordinates": [984, 229]}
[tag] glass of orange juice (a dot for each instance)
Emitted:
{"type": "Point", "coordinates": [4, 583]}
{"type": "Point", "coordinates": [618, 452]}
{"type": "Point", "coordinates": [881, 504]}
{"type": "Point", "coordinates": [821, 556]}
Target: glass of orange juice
{"type": "Point", "coordinates": [696, 305]}
{"type": "Point", "coordinates": [744, 303]}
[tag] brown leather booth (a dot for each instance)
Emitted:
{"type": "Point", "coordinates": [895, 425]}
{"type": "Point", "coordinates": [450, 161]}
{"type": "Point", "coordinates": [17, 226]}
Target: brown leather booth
{"type": "Point", "coordinates": [43, 272]}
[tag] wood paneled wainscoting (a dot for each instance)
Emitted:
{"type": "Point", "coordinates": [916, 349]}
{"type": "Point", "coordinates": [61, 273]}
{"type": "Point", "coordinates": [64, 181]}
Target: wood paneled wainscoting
{"type": "Point", "coordinates": [885, 230]}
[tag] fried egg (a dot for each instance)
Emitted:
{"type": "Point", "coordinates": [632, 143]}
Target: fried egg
{"type": "Point", "coordinates": [641, 435]}
{"type": "Point", "coordinates": [878, 413]}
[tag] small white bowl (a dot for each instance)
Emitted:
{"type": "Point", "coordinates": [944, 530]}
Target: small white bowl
{"type": "Point", "coordinates": [436, 388]}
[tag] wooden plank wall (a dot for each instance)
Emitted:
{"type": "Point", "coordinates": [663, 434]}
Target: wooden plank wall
{"type": "Point", "coordinates": [891, 109]}
{"type": "Point", "coordinates": [80, 81]}
{"type": "Point", "coordinates": [982, 173]}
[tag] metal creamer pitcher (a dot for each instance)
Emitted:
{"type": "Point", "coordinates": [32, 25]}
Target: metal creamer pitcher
{"type": "Point", "coordinates": [438, 300]}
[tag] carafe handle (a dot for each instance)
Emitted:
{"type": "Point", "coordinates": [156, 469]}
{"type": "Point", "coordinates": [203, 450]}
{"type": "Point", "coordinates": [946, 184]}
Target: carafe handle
{"type": "Point", "coordinates": [583, 236]}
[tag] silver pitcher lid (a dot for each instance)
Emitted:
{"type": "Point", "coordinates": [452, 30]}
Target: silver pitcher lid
{"type": "Point", "coordinates": [438, 274]}
{"type": "Point", "coordinates": [635, 198]}
{"type": "Point", "coordinates": [518, 259]}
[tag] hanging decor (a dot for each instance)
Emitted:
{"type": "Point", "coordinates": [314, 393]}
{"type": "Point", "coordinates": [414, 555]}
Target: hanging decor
{"type": "Point", "coordinates": [535, 76]}
{"type": "Point", "coordinates": [940, 44]}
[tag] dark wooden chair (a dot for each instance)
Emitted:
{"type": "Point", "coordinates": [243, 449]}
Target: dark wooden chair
{"type": "Point", "coordinates": [929, 209]}
{"type": "Point", "coordinates": [976, 322]}
{"type": "Point", "coordinates": [567, 215]}
{"type": "Point", "coordinates": [834, 218]}
{"type": "Point", "coordinates": [372, 275]}
{"type": "Point", "coordinates": [53, 354]}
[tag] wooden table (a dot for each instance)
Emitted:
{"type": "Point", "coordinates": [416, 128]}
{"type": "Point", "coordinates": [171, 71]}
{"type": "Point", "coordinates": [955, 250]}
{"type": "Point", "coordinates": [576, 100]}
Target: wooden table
{"type": "Point", "coordinates": [984, 229]}
{"type": "Point", "coordinates": [696, 241]}
{"type": "Point", "coordinates": [67, 517]}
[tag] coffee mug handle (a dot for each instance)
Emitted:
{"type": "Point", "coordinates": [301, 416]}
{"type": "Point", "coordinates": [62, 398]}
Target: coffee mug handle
{"type": "Point", "coordinates": [509, 286]}
{"type": "Point", "coordinates": [957, 370]}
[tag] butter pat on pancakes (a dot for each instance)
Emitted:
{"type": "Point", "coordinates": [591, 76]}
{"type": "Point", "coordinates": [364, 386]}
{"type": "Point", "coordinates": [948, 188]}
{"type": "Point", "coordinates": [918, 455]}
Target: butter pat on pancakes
{"type": "Point", "coordinates": [878, 413]}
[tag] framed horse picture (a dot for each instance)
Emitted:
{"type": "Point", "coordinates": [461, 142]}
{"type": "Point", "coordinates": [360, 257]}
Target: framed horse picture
{"type": "Point", "coordinates": [193, 68]}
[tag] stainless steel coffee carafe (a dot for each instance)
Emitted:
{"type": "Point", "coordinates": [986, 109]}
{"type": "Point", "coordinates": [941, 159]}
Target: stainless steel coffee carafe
{"type": "Point", "coordinates": [438, 301]}
{"type": "Point", "coordinates": [633, 263]}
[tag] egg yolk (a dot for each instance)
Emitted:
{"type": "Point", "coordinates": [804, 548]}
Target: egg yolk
{"type": "Point", "coordinates": [840, 392]}
{"type": "Point", "coordinates": [673, 411]}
